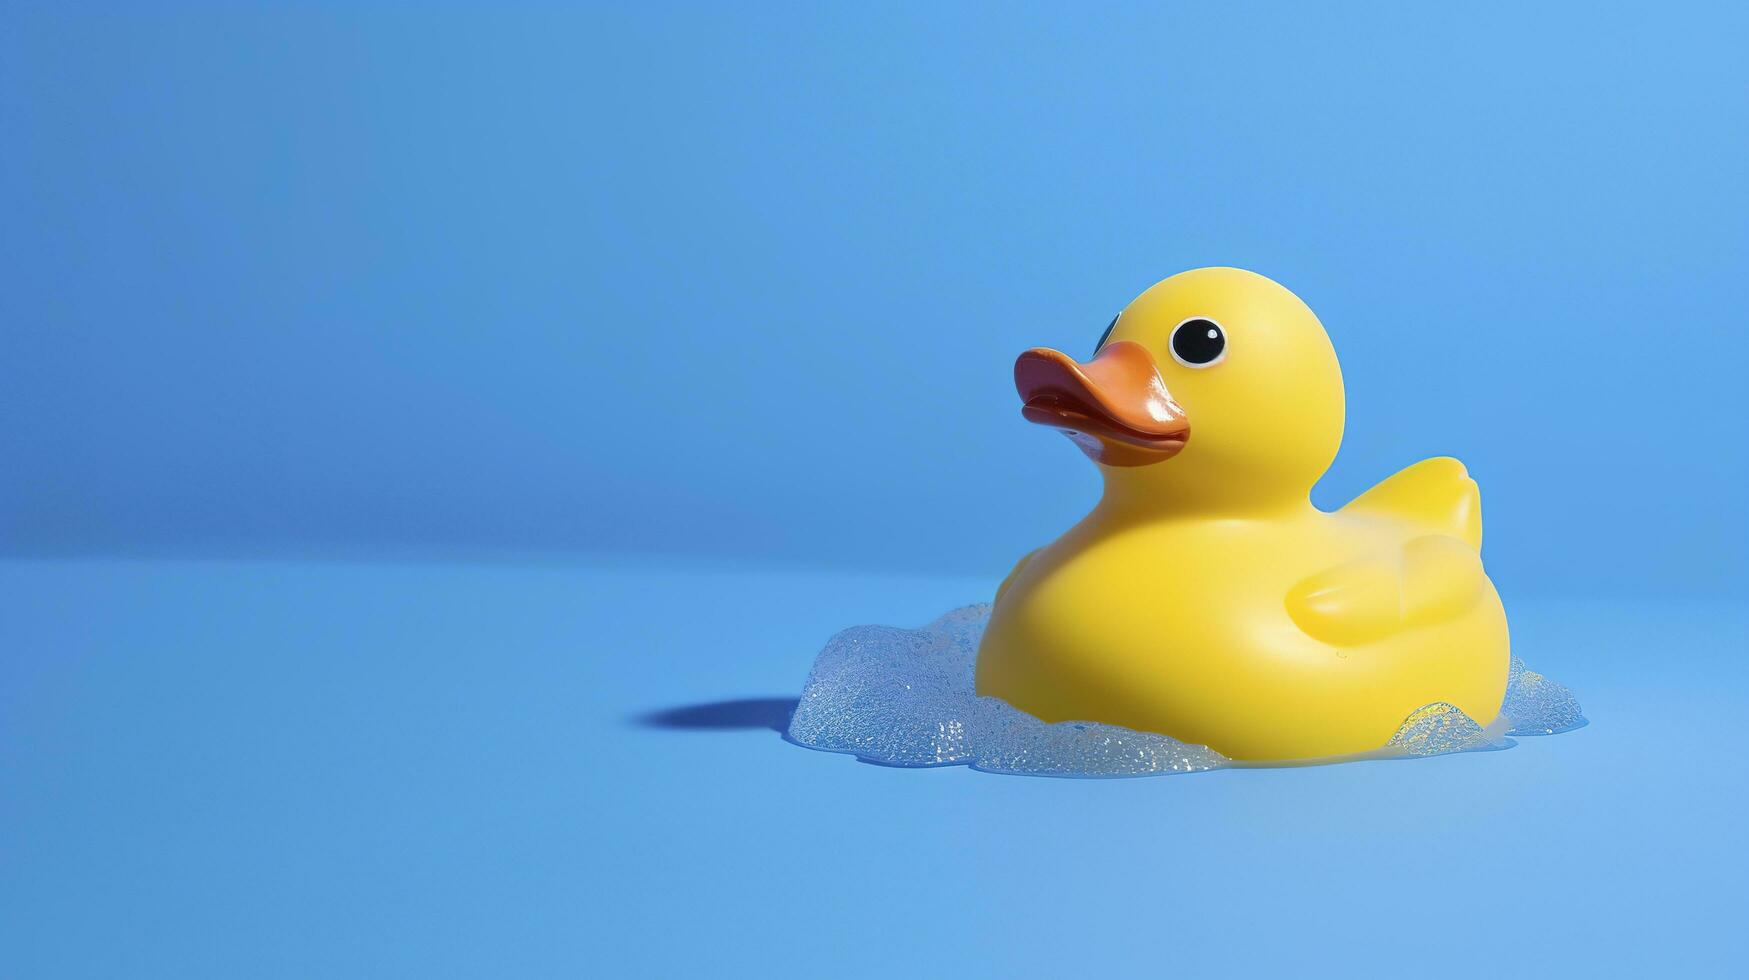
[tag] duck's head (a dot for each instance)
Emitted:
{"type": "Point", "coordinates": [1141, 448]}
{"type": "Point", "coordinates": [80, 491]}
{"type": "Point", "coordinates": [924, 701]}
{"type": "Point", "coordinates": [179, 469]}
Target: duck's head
{"type": "Point", "coordinates": [1217, 386]}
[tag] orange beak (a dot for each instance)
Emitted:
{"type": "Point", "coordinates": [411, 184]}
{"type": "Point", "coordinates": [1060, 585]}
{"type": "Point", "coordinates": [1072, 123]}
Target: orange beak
{"type": "Point", "coordinates": [1115, 407]}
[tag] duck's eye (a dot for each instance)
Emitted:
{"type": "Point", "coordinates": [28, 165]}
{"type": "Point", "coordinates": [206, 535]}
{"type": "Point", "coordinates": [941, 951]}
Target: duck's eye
{"type": "Point", "coordinates": [1107, 334]}
{"type": "Point", "coordinates": [1198, 343]}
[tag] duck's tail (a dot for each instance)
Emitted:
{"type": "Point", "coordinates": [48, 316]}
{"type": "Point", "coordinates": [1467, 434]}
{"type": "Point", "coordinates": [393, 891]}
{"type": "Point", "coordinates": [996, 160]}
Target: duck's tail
{"type": "Point", "coordinates": [1435, 494]}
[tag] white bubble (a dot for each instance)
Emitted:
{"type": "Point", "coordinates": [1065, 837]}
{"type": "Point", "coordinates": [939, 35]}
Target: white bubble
{"type": "Point", "coordinates": [1538, 706]}
{"type": "Point", "coordinates": [907, 698]}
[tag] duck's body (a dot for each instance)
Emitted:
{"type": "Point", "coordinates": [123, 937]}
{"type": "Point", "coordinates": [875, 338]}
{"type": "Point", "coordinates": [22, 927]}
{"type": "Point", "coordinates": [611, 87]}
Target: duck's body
{"type": "Point", "coordinates": [1202, 628]}
{"type": "Point", "coordinates": [1210, 600]}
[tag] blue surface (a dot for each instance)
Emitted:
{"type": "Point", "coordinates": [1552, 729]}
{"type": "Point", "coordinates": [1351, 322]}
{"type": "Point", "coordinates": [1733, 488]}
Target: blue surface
{"type": "Point", "coordinates": [267, 770]}
{"type": "Point", "coordinates": [369, 279]}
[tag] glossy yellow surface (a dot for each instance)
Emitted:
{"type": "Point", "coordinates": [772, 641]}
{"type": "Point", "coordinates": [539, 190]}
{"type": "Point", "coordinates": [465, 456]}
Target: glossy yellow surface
{"type": "Point", "coordinates": [1207, 599]}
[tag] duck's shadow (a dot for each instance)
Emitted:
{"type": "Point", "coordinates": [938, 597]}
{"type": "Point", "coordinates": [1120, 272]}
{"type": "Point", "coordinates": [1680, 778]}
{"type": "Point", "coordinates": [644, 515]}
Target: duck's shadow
{"type": "Point", "coordinates": [740, 713]}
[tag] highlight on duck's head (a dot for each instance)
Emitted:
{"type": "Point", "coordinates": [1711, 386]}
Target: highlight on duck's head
{"type": "Point", "coordinates": [1217, 384]}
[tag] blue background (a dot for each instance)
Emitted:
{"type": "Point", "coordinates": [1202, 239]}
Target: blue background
{"type": "Point", "coordinates": [702, 280]}
{"type": "Point", "coordinates": [421, 427]}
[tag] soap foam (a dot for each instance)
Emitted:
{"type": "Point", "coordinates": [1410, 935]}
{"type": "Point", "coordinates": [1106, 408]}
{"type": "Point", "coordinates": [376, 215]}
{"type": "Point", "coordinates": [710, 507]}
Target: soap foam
{"type": "Point", "coordinates": [1537, 705]}
{"type": "Point", "coordinates": [904, 697]}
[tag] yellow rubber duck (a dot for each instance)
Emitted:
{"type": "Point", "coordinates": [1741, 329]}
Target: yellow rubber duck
{"type": "Point", "coordinates": [1205, 597]}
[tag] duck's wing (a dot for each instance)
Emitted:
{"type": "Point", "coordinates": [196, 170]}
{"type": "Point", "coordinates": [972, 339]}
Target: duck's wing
{"type": "Point", "coordinates": [1435, 494]}
{"type": "Point", "coordinates": [1431, 579]}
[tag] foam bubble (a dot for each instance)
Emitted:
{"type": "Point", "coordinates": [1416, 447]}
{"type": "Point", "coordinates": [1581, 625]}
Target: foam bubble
{"type": "Point", "coordinates": [1436, 729]}
{"type": "Point", "coordinates": [907, 698]}
{"type": "Point", "coordinates": [1537, 705]}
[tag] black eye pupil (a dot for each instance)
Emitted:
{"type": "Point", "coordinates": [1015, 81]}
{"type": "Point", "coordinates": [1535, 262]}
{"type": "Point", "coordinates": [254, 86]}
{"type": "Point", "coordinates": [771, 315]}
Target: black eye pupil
{"type": "Point", "coordinates": [1198, 341]}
